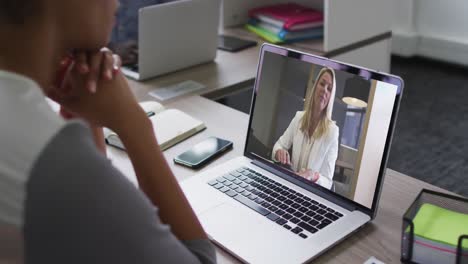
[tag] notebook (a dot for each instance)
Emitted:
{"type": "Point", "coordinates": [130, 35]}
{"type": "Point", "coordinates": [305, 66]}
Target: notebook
{"type": "Point", "coordinates": [289, 16]}
{"type": "Point", "coordinates": [287, 35]}
{"type": "Point", "coordinates": [171, 126]}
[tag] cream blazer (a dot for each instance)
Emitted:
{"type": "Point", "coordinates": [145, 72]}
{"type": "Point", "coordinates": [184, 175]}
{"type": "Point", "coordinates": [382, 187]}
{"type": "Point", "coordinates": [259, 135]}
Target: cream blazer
{"type": "Point", "coordinates": [323, 154]}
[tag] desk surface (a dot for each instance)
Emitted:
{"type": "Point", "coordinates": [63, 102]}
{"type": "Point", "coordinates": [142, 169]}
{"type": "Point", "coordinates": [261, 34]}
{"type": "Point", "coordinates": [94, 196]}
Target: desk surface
{"type": "Point", "coordinates": [381, 238]}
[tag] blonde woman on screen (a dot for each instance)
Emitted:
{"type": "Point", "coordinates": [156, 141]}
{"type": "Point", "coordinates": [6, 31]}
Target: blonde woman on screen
{"type": "Point", "coordinates": [312, 136]}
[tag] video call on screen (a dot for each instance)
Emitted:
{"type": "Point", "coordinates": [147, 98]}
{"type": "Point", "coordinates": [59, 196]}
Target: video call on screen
{"type": "Point", "coordinates": [327, 126]}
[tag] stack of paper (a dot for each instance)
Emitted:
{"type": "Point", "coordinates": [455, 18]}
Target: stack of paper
{"type": "Point", "coordinates": [286, 23]}
{"type": "Point", "coordinates": [436, 234]}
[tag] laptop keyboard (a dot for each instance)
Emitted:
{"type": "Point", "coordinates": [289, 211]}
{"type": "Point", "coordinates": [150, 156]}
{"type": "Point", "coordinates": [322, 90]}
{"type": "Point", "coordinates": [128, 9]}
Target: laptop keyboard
{"type": "Point", "coordinates": [288, 208]}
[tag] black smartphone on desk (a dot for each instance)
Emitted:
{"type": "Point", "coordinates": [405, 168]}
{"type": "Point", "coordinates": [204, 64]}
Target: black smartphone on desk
{"type": "Point", "coordinates": [203, 152]}
{"type": "Point", "coordinates": [234, 44]}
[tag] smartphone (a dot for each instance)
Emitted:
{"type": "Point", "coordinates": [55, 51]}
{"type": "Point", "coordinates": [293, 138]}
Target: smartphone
{"type": "Point", "coordinates": [203, 152]}
{"type": "Point", "coordinates": [234, 44]}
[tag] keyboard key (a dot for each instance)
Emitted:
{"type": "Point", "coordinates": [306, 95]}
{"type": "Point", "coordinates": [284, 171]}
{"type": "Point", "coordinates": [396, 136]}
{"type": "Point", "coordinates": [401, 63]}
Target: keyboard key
{"type": "Point", "coordinates": [292, 196]}
{"type": "Point", "coordinates": [227, 183]}
{"type": "Point", "coordinates": [326, 221]}
{"type": "Point", "coordinates": [290, 210]}
{"type": "Point", "coordinates": [330, 210]}
{"type": "Point", "coordinates": [281, 198]}
{"type": "Point", "coordinates": [281, 221]}
{"type": "Point", "coordinates": [318, 217]}
{"type": "Point", "coordinates": [306, 204]}
{"type": "Point", "coordinates": [273, 194]}
{"type": "Point", "coordinates": [248, 180]}
{"type": "Point", "coordinates": [262, 195]}
{"type": "Point", "coordinates": [322, 206]}
{"type": "Point", "coordinates": [308, 227]}
{"type": "Point", "coordinates": [285, 193]}
{"type": "Point", "coordinates": [269, 199]}
{"type": "Point", "coordinates": [229, 177]}
{"type": "Point", "coordinates": [313, 222]}
{"type": "Point", "coordinates": [259, 200]}
{"type": "Point", "coordinates": [221, 179]}
{"type": "Point", "coordinates": [287, 216]}
{"type": "Point", "coordinates": [314, 202]}
{"type": "Point", "coordinates": [249, 188]}
{"type": "Point", "coordinates": [273, 208]}
{"type": "Point", "coordinates": [295, 220]}
{"type": "Point", "coordinates": [218, 185]}
{"type": "Point", "coordinates": [331, 216]}
{"type": "Point", "coordinates": [225, 189]}
{"type": "Point", "coordinates": [338, 214]}
{"type": "Point", "coordinates": [298, 214]}
{"type": "Point", "coordinates": [276, 202]}
{"type": "Point", "coordinates": [243, 184]}
{"type": "Point", "coordinates": [288, 202]}
{"type": "Point", "coordinates": [299, 200]}
{"type": "Point", "coordinates": [297, 230]}
{"type": "Point", "coordinates": [303, 209]}
{"type": "Point", "coordinates": [252, 196]}
{"type": "Point", "coordinates": [283, 206]}
{"type": "Point", "coordinates": [252, 205]}
{"type": "Point", "coordinates": [280, 212]}
{"type": "Point", "coordinates": [246, 193]}
{"type": "Point", "coordinates": [237, 181]}
{"type": "Point", "coordinates": [231, 193]}
{"type": "Point", "coordinates": [310, 213]}
{"type": "Point", "coordinates": [299, 194]}
{"type": "Point", "coordinates": [304, 236]}
{"type": "Point", "coordinates": [240, 170]}
{"type": "Point", "coordinates": [235, 174]}
{"type": "Point", "coordinates": [240, 190]}
{"type": "Point", "coordinates": [305, 218]}
{"type": "Point", "coordinates": [295, 205]}
{"type": "Point", "coordinates": [243, 178]}
{"type": "Point", "coordinates": [313, 207]}
{"type": "Point", "coordinates": [266, 204]}
{"type": "Point", "coordinates": [254, 191]}
{"type": "Point", "coordinates": [321, 211]}
{"type": "Point", "coordinates": [213, 182]}
{"type": "Point", "coordinates": [273, 217]}
{"type": "Point", "coordinates": [307, 198]}
{"type": "Point", "coordinates": [321, 226]}
{"type": "Point", "coordinates": [287, 227]}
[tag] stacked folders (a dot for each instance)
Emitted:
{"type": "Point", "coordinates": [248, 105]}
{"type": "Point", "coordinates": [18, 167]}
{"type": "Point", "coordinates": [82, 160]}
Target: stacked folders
{"type": "Point", "coordinates": [286, 23]}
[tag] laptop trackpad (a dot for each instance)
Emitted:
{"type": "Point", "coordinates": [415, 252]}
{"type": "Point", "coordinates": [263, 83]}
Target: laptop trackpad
{"type": "Point", "coordinates": [247, 233]}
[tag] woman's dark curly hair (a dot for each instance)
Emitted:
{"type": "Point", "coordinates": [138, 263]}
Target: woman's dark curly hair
{"type": "Point", "coordinates": [17, 11]}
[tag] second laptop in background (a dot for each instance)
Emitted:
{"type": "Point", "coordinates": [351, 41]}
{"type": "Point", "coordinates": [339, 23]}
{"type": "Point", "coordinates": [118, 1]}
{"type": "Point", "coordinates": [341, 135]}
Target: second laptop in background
{"type": "Point", "coordinates": [174, 36]}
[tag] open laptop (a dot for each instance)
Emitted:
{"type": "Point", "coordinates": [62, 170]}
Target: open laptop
{"type": "Point", "coordinates": [261, 211]}
{"type": "Point", "coordinates": [175, 35]}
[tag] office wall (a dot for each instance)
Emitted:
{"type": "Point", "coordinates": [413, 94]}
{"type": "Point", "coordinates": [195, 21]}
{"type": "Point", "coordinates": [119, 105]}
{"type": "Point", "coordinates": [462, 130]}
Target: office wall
{"type": "Point", "coordinates": [431, 28]}
{"type": "Point", "coordinates": [371, 152]}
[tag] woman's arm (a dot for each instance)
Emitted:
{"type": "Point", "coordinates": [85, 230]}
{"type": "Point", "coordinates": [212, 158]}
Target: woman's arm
{"type": "Point", "coordinates": [286, 140]}
{"type": "Point", "coordinates": [327, 169]}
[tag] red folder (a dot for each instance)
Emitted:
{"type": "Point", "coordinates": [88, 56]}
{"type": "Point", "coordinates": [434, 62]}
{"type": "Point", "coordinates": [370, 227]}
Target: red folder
{"type": "Point", "coordinates": [290, 16]}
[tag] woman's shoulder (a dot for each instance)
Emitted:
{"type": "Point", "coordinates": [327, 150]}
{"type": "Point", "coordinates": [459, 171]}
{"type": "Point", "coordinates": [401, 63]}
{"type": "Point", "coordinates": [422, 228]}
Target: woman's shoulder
{"type": "Point", "coordinates": [333, 129]}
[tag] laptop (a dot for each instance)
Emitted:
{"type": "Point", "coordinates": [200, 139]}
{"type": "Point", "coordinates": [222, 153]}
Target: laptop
{"type": "Point", "coordinates": [263, 212]}
{"type": "Point", "coordinates": [175, 35]}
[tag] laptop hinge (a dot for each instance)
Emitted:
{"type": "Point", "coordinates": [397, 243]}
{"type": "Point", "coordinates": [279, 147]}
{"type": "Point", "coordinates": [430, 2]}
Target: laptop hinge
{"type": "Point", "coordinates": [334, 198]}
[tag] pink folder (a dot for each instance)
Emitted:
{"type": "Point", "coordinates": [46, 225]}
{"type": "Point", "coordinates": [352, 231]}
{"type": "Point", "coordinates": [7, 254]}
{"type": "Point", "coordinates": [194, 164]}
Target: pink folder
{"type": "Point", "coordinates": [289, 16]}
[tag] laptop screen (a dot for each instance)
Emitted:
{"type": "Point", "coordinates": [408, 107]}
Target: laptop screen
{"type": "Point", "coordinates": [326, 122]}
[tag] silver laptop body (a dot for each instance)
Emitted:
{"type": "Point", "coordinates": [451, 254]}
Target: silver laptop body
{"type": "Point", "coordinates": [175, 35]}
{"type": "Point", "coordinates": [256, 225]}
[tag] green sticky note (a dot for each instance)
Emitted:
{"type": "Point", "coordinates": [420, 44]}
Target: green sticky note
{"type": "Point", "coordinates": [440, 225]}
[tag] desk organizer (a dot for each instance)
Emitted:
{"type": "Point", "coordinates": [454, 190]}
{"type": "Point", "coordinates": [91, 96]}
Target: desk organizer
{"type": "Point", "coordinates": [431, 229]}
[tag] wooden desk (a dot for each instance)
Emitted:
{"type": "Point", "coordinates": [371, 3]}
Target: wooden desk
{"type": "Point", "coordinates": [381, 238]}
